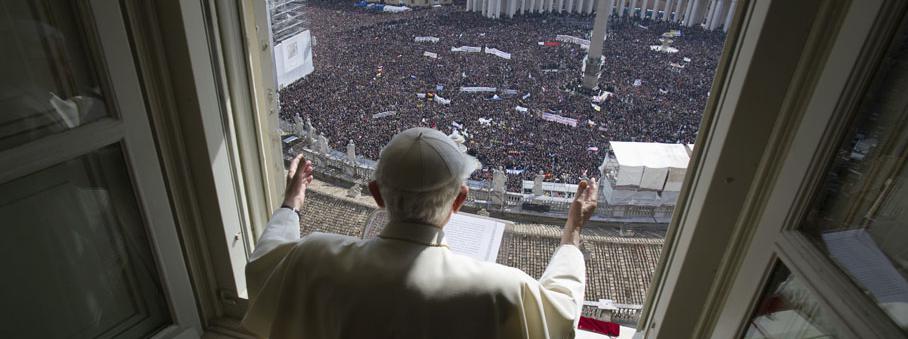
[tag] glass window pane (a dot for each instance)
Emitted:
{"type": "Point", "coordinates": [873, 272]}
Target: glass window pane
{"type": "Point", "coordinates": [788, 310]}
{"type": "Point", "coordinates": [75, 254]}
{"type": "Point", "coordinates": [860, 217]}
{"type": "Point", "coordinates": [48, 79]}
{"type": "Point", "coordinates": [351, 75]}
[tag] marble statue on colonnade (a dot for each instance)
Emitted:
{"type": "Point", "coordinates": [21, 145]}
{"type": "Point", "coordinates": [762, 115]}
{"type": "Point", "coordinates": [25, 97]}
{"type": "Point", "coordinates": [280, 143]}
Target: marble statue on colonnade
{"type": "Point", "coordinates": [537, 183]}
{"type": "Point", "coordinates": [322, 144]}
{"type": "Point", "coordinates": [499, 178]}
{"type": "Point", "coordinates": [297, 125]}
{"type": "Point", "coordinates": [311, 134]}
{"type": "Point", "coordinates": [351, 151]}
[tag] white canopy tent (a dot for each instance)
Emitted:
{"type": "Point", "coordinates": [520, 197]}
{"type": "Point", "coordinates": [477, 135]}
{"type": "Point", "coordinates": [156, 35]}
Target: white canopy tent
{"type": "Point", "coordinates": [649, 166]}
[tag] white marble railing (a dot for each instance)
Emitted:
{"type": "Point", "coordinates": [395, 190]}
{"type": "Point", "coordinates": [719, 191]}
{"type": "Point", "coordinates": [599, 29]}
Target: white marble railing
{"type": "Point", "coordinates": [338, 167]}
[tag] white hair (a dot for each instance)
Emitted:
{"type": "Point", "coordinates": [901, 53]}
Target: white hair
{"type": "Point", "coordinates": [429, 207]}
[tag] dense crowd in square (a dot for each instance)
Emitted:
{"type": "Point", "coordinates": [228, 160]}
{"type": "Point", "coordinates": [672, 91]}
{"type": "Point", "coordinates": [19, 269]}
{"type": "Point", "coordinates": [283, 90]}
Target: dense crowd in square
{"type": "Point", "coordinates": [368, 62]}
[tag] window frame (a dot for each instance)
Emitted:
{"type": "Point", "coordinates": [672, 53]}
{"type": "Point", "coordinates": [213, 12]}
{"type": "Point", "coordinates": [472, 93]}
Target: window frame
{"type": "Point", "coordinates": [205, 66]}
{"type": "Point", "coordinates": [821, 125]}
{"type": "Point", "coordinates": [732, 160]}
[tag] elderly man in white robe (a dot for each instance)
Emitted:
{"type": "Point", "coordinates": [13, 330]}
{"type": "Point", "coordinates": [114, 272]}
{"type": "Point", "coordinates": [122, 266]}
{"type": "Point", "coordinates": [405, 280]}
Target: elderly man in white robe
{"type": "Point", "coordinates": [406, 283]}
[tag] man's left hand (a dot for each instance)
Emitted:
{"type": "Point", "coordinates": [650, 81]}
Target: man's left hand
{"type": "Point", "coordinates": [299, 175]}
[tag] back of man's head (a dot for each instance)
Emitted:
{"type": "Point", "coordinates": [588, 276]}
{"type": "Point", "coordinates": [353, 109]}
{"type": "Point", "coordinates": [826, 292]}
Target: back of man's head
{"type": "Point", "coordinates": [420, 173]}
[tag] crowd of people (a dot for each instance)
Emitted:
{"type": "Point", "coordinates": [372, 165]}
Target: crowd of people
{"type": "Point", "coordinates": [367, 62]}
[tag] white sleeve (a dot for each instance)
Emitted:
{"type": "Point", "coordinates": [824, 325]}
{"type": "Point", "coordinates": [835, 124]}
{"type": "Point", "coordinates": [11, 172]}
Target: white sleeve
{"type": "Point", "coordinates": [266, 269]}
{"type": "Point", "coordinates": [283, 227]}
{"type": "Point", "coordinates": [565, 280]}
{"type": "Point", "coordinates": [551, 306]}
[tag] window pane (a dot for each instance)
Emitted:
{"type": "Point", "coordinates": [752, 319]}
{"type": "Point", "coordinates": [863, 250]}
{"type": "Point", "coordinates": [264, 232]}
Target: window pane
{"type": "Point", "coordinates": [48, 82]}
{"type": "Point", "coordinates": [509, 89]}
{"type": "Point", "coordinates": [75, 254]}
{"type": "Point", "coordinates": [859, 217]}
{"type": "Point", "coordinates": [788, 310]}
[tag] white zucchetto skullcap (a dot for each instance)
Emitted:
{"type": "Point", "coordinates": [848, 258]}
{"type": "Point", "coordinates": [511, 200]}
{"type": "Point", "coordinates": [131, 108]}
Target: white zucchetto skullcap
{"type": "Point", "coordinates": [423, 159]}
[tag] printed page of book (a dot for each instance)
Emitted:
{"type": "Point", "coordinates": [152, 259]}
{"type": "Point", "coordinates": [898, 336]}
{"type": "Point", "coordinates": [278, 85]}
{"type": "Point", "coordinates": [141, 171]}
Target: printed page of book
{"type": "Point", "coordinates": [474, 236]}
{"type": "Point", "coordinates": [467, 234]}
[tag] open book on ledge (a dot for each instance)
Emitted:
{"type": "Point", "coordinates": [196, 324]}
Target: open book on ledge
{"type": "Point", "coordinates": [467, 234]}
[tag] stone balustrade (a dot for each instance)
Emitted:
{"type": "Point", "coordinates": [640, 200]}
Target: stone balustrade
{"type": "Point", "coordinates": [336, 167]}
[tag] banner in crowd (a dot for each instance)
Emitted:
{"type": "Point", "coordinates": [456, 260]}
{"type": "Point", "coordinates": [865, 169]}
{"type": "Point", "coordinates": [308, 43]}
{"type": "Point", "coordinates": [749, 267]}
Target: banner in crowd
{"type": "Point", "coordinates": [442, 101]}
{"type": "Point", "coordinates": [573, 40]}
{"type": "Point", "coordinates": [521, 109]}
{"type": "Point", "coordinates": [455, 124]}
{"type": "Point", "coordinates": [468, 49]}
{"type": "Point", "coordinates": [485, 122]}
{"type": "Point", "coordinates": [383, 114]}
{"type": "Point", "coordinates": [431, 55]}
{"type": "Point", "coordinates": [509, 91]}
{"type": "Point", "coordinates": [513, 171]}
{"type": "Point", "coordinates": [559, 119]}
{"type": "Point", "coordinates": [394, 9]}
{"type": "Point", "coordinates": [663, 48]}
{"type": "Point", "coordinates": [478, 89]}
{"type": "Point", "coordinates": [499, 53]}
{"type": "Point", "coordinates": [638, 82]}
{"type": "Point", "coordinates": [672, 33]}
{"type": "Point", "coordinates": [604, 95]}
{"type": "Point", "coordinates": [431, 39]}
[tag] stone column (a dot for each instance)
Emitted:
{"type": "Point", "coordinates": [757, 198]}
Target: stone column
{"type": "Point", "coordinates": [731, 14]}
{"type": "Point", "coordinates": [688, 9]}
{"type": "Point", "coordinates": [643, 9]}
{"type": "Point", "coordinates": [717, 18]}
{"type": "Point", "coordinates": [611, 7]}
{"type": "Point", "coordinates": [677, 10]}
{"type": "Point", "coordinates": [701, 14]}
{"type": "Point", "coordinates": [709, 12]}
{"type": "Point", "coordinates": [593, 59]}
{"type": "Point", "coordinates": [695, 13]}
{"type": "Point", "coordinates": [621, 7]}
{"type": "Point", "coordinates": [667, 10]}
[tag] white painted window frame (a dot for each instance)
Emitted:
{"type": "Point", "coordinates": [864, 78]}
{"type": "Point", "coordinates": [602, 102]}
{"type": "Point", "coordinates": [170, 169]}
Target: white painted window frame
{"type": "Point", "coordinates": [705, 249]}
{"type": "Point", "coordinates": [128, 127]}
{"type": "Point", "coordinates": [218, 138]}
{"type": "Point", "coordinates": [866, 29]}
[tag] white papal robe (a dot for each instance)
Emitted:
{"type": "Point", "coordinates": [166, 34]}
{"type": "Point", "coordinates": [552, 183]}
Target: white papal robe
{"type": "Point", "coordinates": [404, 284]}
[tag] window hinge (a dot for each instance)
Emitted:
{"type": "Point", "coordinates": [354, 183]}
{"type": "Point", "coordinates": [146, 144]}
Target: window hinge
{"type": "Point", "coordinates": [227, 297]}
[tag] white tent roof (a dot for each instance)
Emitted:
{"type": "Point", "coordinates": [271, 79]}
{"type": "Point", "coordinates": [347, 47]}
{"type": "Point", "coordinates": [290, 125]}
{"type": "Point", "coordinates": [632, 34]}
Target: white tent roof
{"type": "Point", "coordinates": [650, 166]}
{"type": "Point", "coordinates": [650, 154]}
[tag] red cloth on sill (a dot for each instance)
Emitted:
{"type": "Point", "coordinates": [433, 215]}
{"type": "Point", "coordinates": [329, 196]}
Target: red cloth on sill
{"type": "Point", "coordinates": [599, 326]}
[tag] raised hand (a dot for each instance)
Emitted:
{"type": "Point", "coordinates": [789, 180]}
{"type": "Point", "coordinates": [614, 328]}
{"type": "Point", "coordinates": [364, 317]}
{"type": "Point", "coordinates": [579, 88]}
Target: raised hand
{"type": "Point", "coordinates": [299, 175]}
{"type": "Point", "coordinates": [582, 209]}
